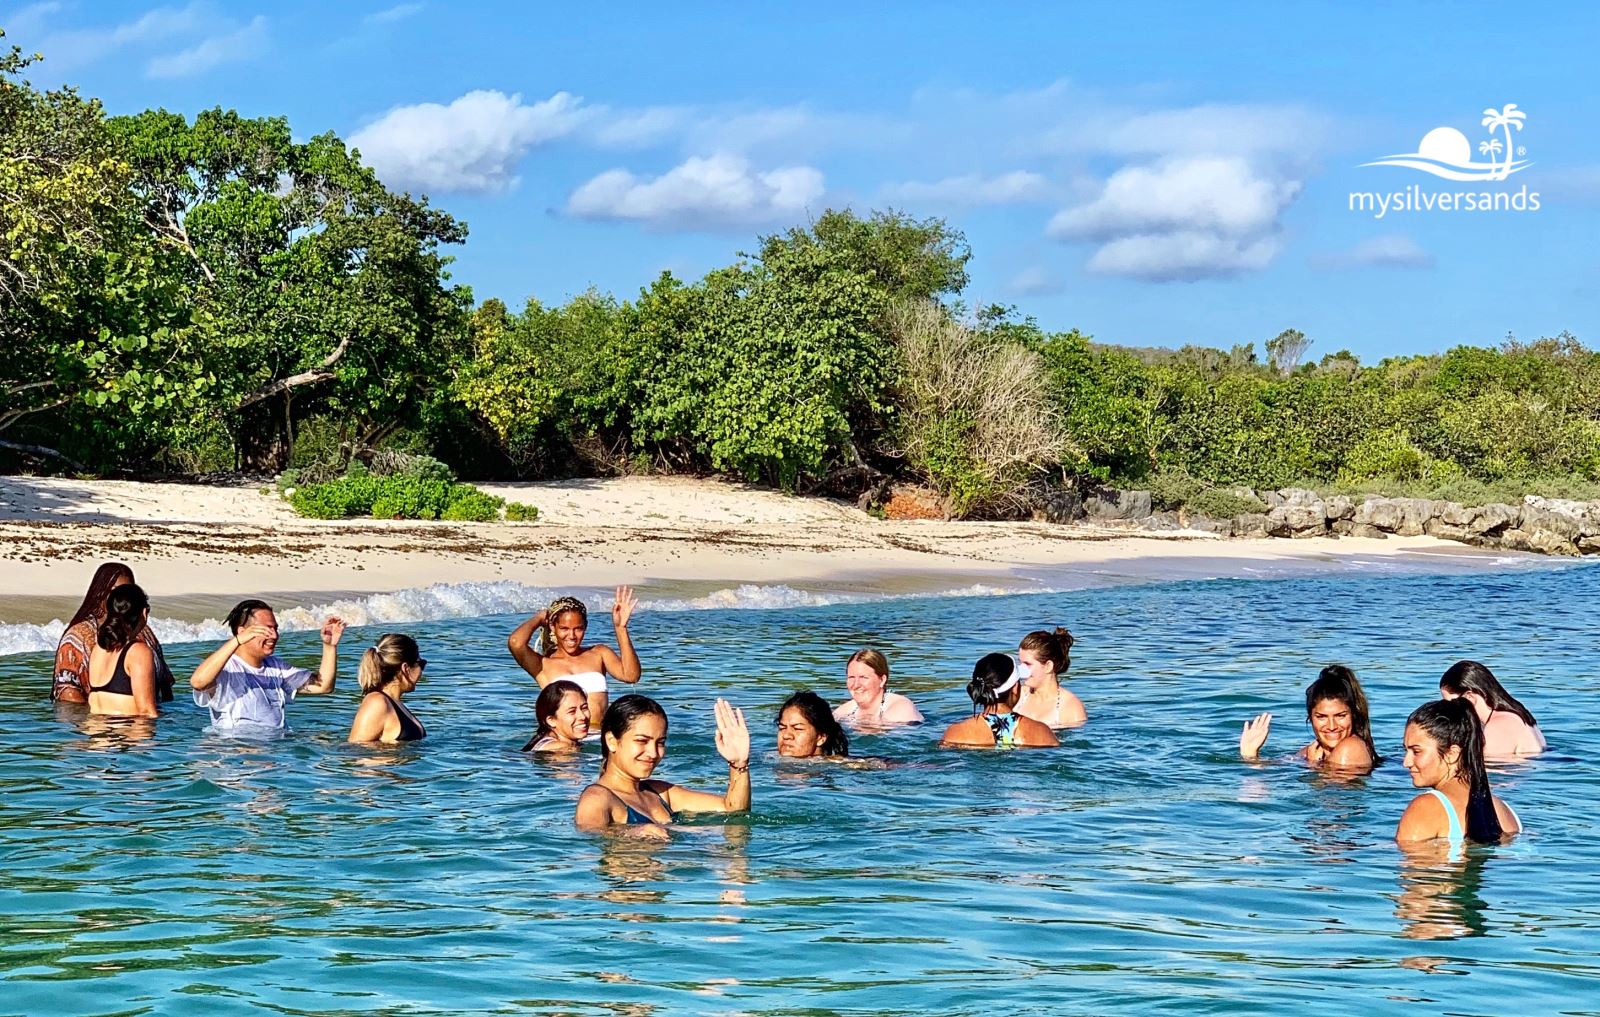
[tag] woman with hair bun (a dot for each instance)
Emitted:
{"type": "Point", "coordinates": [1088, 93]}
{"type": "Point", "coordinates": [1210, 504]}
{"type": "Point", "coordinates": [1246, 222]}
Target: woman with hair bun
{"type": "Point", "coordinates": [633, 741]}
{"type": "Point", "coordinates": [1047, 655]}
{"type": "Point", "coordinates": [1509, 729]}
{"type": "Point", "coordinates": [1341, 725]}
{"type": "Point", "coordinates": [1444, 752]}
{"type": "Point", "coordinates": [995, 688]}
{"type": "Point", "coordinates": [871, 704]}
{"type": "Point", "coordinates": [562, 713]}
{"type": "Point", "coordinates": [389, 669]}
{"type": "Point", "coordinates": [122, 667]}
{"type": "Point", "coordinates": [550, 646]}
{"type": "Point", "coordinates": [71, 672]}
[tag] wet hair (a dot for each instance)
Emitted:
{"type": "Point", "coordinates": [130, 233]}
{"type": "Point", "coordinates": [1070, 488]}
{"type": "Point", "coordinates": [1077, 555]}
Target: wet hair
{"type": "Point", "coordinates": [124, 617]}
{"type": "Point", "coordinates": [548, 703]}
{"type": "Point", "coordinates": [239, 617]}
{"type": "Point", "coordinates": [1470, 676]}
{"type": "Point", "coordinates": [382, 662]}
{"type": "Point", "coordinates": [831, 739]}
{"type": "Point", "coordinates": [94, 601]}
{"type": "Point", "coordinates": [873, 659]}
{"type": "Point", "coordinates": [557, 608]}
{"type": "Point", "coordinates": [1056, 647]}
{"type": "Point", "coordinates": [620, 716]}
{"type": "Point", "coordinates": [1454, 722]}
{"type": "Point", "coordinates": [1340, 683]}
{"type": "Point", "coordinates": [989, 674]}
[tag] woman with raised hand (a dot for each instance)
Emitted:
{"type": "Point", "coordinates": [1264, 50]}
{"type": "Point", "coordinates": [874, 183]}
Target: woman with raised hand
{"type": "Point", "coordinates": [1336, 709]}
{"type": "Point", "coordinates": [389, 669]}
{"type": "Point", "coordinates": [71, 672]}
{"type": "Point", "coordinates": [1047, 655]}
{"type": "Point", "coordinates": [562, 713]}
{"type": "Point", "coordinates": [807, 728]}
{"type": "Point", "coordinates": [1509, 729]}
{"type": "Point", "coordinates": [871, 704]}
{"type": "Point", "coordinates": [633, 741]}
{"type": "Point", "coordinates": [995, 689]}
{"type": "Point", "coordinates": [550, 646]}
{"type": "Point", "coordinates": [1444, 752]}
{"type": "Point", "coordinates": [122, 667]}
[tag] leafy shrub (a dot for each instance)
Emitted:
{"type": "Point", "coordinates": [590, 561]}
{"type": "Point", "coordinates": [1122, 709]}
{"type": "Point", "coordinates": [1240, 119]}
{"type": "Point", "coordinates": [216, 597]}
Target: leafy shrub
{"type": "Point", "coordinates": [1221, 503]}
{"type": "Point", "coordinates": [468, 504]}
{"type": "Point", "coordinates": [1171, 489]}
{"type": "Point", "coordinates": [521, 512]}
{"type": "Point", "coordinates": [426, 490]}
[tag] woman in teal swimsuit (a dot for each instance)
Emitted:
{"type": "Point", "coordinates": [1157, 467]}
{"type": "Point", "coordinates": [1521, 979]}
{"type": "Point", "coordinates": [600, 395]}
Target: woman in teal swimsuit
{"type": "Point", "coordinates": [1444, 752]}
{"type": "Point", "coordinates": [995, 687]}
{"type": "Point", "coordinates": [633, 741]}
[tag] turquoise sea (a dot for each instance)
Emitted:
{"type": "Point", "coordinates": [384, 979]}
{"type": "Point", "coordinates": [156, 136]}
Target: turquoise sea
{"type": "Point", "coordinates": [1141, 868]}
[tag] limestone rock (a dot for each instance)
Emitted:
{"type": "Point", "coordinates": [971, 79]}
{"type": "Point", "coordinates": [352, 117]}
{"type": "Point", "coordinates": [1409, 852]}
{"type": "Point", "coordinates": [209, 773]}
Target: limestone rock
{"type": "Point", "coordinates": [1494, 519]}
{"type": "Point", "coordinates": [1108, 503]}
{"type": "Point", "coordinates": [1059, 506]}
{"type": "Point", "coordinates": [1294, 520]}
{"type": "Point", "coordinates": [1251, 524]}
{"type": "Point", "coordinates": [1414, 515]}
{"type": "Point", "coordinates": [1340, 507]}
{"type": "Point", "coordinates": [1437, 527]}
{"type": "Point", "coordinates": [1206, 524]}
{"type": "Point", "coordinates": [1456, 514]}
{"type": "Point", "coordinates": [1379, 513]}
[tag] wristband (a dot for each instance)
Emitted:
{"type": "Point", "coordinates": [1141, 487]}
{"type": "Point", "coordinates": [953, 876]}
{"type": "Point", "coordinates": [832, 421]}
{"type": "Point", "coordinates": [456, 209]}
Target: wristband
{"type": "Point", "coordinates": [742, 768]}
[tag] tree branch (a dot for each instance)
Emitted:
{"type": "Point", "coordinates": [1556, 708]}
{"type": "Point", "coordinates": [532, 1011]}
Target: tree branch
{"type": "Point", "coordinates": [40, 450]}
{"type": "Point", "coordinates": [311, 377]}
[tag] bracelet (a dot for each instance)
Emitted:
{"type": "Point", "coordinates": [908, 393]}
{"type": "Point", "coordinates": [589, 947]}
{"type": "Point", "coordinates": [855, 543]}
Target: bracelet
{"type": "Point", "coordinates": [744, 768]}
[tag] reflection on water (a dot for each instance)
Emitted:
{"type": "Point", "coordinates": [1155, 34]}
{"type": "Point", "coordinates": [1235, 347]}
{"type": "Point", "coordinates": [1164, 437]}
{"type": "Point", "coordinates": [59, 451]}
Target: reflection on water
{"type": "Point", "coordinates": [151, 866]}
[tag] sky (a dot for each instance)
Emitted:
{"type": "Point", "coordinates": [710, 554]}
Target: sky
{"type": "Point", "coordinates": [1153, 174]}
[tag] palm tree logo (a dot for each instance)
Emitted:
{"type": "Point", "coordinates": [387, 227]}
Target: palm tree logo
{"type": "Point", "coordinates": [1491, 148]}
{"type": "Point", "coordinates": [1507, 118]}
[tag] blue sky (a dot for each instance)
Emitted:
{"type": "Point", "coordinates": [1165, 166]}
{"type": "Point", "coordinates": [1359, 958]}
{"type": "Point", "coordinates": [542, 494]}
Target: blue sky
{"type": "Point", "coordinates": [1154, 174]}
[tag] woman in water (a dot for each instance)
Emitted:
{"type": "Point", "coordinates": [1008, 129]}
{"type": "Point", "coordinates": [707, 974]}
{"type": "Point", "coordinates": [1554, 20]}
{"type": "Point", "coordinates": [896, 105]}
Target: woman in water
{"type": "Point", "coordinates": [995, 688]}
{"type": "Point", "coordinates": [633, 741]}
{"type": "Point", "coordinates": [558, 650]}
{"type": "Point", "coordinates": [71, 683]}
{"type": "Point", "coordinates": [1336, 709]}
{"type": "Point", "coordinates": [871, 703]}
{"type": "Point", "coordinates": [122, 667]}
{"type": "Point", "coordinates": [1444, 752]}
{"type": "Point", "coordinates": [388, 671]}
{"type": "Point", "coordinates": [1047, 655]}
{"type": "Point", "coordinates": [1509, 729]}
{"type": "Point", "coordinates": [562, 712]}
{"type": "Point", "coordinates": [808, 729]}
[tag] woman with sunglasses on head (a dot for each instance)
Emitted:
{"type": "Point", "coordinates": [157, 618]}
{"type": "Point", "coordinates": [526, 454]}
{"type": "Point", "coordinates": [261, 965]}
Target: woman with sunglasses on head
{"type": "Point", "coordinates": [995, 688]}
{"type": "Point", "coordinates": [1444, 752]}
{"type": "Point", "coordinates": [388, 671]}
{"type": "Point", "coordinates": [1509, 729]}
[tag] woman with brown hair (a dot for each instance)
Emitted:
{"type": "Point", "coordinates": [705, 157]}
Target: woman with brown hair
{"type": "Point", "coordinates": [550, 646]}
{"type": "Point", "coordinates": [871, 703]}
{"type": "Point", "coordinates": [122, 669]}
{"type": "Point", "coordinates": [71, 684]}
{"type": "Point", "coordinates": [1047, 655]}
{"type": "Point", "coordinates": [388, 671]}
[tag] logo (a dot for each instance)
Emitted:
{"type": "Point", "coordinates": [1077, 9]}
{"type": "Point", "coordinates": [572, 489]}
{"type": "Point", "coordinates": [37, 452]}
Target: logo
{"type": "Point", "coordinates": [1446, 152]}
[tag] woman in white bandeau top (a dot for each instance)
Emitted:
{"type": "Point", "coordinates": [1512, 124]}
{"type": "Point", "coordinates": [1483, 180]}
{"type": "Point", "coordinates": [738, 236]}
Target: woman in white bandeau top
{"type": "Point", "coordinates": [549, 646]}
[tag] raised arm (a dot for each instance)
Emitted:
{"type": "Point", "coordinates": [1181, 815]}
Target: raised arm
{"type": "Point", "coordinates": [733, 744]}
{"type": "Point", "coordinates": [1254, 735]}
{"type": "Point", "coordinates": [328, 670]}
{"type": "Point", "coordinates": [205, 675]}
{"type": "Point", "coordinates": [140, 663]}
{"type": "Point", "coordinates": [622, 665]}
{"type": "Point", "coordinates": [520, 643]}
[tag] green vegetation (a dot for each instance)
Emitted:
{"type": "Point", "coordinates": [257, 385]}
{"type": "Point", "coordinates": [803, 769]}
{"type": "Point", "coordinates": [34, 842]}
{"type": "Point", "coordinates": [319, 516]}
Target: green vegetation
{"type": "Point", "coordinates": [190, 295]}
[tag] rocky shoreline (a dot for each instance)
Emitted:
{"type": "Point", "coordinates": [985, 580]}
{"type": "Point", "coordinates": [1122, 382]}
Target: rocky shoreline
{"type": "Point", "coordinates": [1541, 525]}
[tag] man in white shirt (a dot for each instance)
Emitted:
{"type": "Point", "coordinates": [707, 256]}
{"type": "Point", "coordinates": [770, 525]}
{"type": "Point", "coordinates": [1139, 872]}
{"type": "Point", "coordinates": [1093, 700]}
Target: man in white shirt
{"type": "Point", "coordinates": [245, 685]}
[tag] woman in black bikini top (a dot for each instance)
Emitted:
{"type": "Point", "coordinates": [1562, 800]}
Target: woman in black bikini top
{"type": "Point", "coordinates": [130, 688]}
{"type": "Point", "coordinates": [389, 670]}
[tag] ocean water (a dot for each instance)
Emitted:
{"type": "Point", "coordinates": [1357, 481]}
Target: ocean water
{"type": "Point", "coordinates": [1141, 868]}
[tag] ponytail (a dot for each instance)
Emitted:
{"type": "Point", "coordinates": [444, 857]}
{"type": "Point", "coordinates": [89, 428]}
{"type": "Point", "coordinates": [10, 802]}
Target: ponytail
{"type": "Point", "coordinates": [995, 677]}
{"type": "Point", "coordinates": [1454, 722]}
{"type": "Point", "coordinates": [382, 662]}
{"type": "Point", "coordinates": [124, 617]}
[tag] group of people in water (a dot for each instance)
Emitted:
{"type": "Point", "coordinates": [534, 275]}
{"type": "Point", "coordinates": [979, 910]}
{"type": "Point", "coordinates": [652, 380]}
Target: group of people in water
{"type": "Point", "coordinates": [109, 659]}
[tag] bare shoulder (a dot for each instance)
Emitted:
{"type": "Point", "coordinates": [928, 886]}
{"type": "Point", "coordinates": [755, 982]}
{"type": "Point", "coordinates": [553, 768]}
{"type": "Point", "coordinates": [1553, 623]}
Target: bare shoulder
{"type": "Point", "coordinates": [1032, 732]}
{"type": "Point", "coordinates": [971, 731]}
{"type": "Point", "coordinates": [1424, 819]}
{"type": "Point", "coordinates": [1350, 754]}
{"type": "Point", "coordinates": [139, 653]}
{"type": "Point", "coordinates": [900, 709]}
{"type": "Point", "coordinates": [1509, 823]}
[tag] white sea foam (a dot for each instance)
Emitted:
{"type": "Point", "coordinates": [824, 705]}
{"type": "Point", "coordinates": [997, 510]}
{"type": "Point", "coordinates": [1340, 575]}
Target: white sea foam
{"type": "Point", "coordinates": [471, 600]}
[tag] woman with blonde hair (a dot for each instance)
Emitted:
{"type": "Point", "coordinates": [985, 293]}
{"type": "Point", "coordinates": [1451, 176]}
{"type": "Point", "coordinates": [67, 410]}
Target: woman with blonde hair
{"type": "Point", "coordinates": [550, 646]}
{"type": "Point", "coordinates": [389, 670]}
{"type": "Point", "coordinates": [871, 704]}
{"type": "Point", "coordinates": [1047, 655]}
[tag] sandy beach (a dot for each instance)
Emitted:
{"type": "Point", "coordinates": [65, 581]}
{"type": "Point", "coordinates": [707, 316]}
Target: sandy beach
{"type": "Point", "coordinates": [199, 547]}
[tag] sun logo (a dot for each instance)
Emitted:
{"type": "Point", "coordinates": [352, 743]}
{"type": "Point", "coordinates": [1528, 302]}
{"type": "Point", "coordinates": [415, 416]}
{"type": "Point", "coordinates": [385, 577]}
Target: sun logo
{"type": "Point", "coordinates": [1446, 152]}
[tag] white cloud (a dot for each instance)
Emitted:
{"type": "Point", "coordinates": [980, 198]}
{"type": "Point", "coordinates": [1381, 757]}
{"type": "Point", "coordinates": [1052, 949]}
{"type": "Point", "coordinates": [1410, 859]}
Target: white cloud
{"type": "Point", "coordinates": [398, 12]}
{"type": "Point", "coordinates": [1034, 282]}
{"type": "Point", "coordinates": [1186, 218]}
{"type": "Point", "coordinates": [241, 43]}
{"type": "Point", "coordinates": [1391, 250]}
{"type": "Point", "coordinates": [75, 47]}
{"type": "Point", "coordinates": [974, 189]}
{"type": "Point", "coordinates": [703, 193]}
{"type": "Point", "coordinates": [472, 145]}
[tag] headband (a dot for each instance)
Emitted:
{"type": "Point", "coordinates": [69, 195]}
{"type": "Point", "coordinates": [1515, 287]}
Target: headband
{"type": "Point", "coordinates": [1019, 671]}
